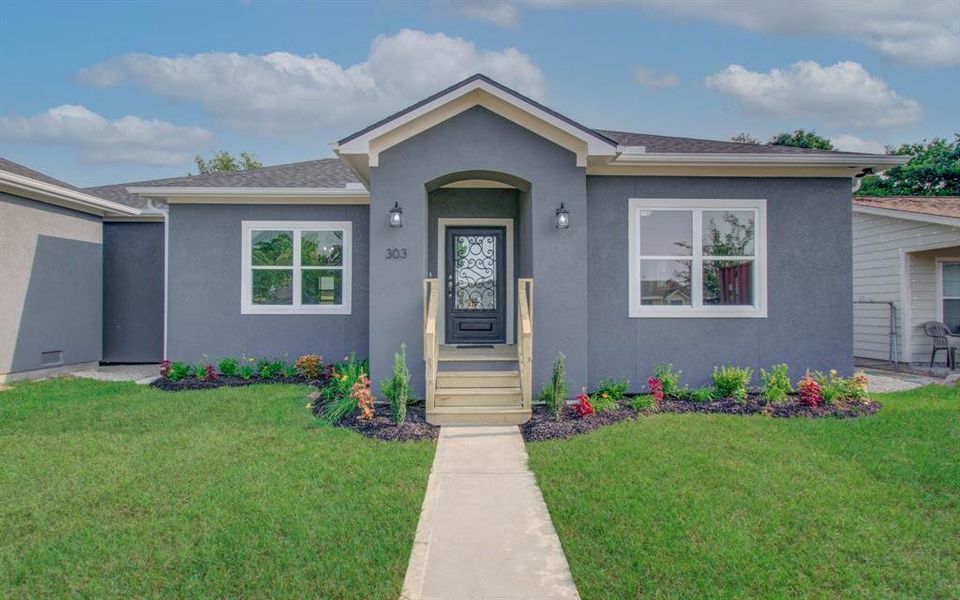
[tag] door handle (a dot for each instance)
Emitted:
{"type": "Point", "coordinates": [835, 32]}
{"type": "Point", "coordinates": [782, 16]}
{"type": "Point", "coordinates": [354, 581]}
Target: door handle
{"type": "Point", "coordinates": [450, 286]}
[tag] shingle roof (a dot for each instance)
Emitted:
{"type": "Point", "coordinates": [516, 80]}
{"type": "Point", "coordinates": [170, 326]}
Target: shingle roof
{"type": "Point", "coordinates": [940, 206]}
{"type": "Point", "coordinates": [322, 173]}
{"type": "Point", "coordinates": [12, 167]}
{"type": "Point", "coordinates": [683, 145]}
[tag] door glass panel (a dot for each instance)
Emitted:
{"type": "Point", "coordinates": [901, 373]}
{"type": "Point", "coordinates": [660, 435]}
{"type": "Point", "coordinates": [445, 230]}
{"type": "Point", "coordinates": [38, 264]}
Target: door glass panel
{"type": "Point", "coordinates": [666, 232]}
{"type": "Point", "coordinates": [475, 272]}
{"type": "Point", "coordinates": [665, 282]}
{"type": "Point", "coordinates": [951, 279]}
{"type": "Point", "coordinates": [728, 232]}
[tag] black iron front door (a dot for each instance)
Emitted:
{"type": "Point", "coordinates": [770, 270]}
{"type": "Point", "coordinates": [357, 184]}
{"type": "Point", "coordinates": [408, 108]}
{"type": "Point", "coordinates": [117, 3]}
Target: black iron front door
{"type": "Point", "coordinates": [475, 282]}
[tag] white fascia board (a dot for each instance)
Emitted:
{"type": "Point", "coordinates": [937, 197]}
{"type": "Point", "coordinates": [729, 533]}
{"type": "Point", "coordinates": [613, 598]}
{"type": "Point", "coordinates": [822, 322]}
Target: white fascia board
{"type": "Point", "coordinates": [907, 215]}
{"type": "Point", "coordinates": [638, 155]}
{"type": "Point", "coordinates": [61, 196]}
{"type": "Point", "coordinates": [278, 192]}
{"type": "Point", "coordinates": [596, 145]}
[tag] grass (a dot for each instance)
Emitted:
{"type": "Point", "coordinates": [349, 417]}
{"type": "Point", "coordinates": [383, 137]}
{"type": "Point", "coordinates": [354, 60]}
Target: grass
{"type": "Point", "coordinates": [118, 490]}
{"type": "Point", "coordinates": [704, 506]}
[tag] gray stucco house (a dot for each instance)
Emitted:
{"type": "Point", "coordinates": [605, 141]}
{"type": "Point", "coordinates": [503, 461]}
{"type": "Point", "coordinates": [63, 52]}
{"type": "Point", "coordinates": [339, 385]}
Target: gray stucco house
{"type": "Point", "coordinates": [488, 233]}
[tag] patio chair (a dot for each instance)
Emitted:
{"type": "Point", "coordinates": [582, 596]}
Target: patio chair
{"type": "Point", "coordinates": [941, 335]}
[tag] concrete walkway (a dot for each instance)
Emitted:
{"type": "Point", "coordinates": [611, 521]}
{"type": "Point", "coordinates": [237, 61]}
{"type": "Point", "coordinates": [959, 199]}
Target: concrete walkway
{"type": "Point", "coordinates": [142, 374]}
{"type": "Point", "coordinates": [484, 529]}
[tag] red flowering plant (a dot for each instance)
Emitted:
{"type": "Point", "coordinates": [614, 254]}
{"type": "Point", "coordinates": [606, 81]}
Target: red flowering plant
{"type": "Point", "coordinates": [360, 392]}
{"type": "Point", "coordinates": [656, 389]}
{"type": "Point", "coordinates": [210, 373]}
{"type": "Point", "coordinates": [809, 391]}
{"type": "Point", "coordinates": [164, 368]}
{"type": "Point", "coordinates": [582, 406]}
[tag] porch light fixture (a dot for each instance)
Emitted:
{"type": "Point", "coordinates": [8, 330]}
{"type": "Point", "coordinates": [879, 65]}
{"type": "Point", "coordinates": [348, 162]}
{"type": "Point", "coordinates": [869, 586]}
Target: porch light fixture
{"type": "Point", "coordinates": [563, 217]}
{"type": "Point", "coordinates": [396, 216]}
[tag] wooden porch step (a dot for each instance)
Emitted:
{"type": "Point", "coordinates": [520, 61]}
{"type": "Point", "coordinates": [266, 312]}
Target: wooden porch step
{"type": "Point", "coordinates": [478, 379]}
{"type": "Point", "coordinates": [500, 353]}
{"type": "Point", "coordinates": [478, 415]}
{"type": "Point", "coordinates": [478, 397]}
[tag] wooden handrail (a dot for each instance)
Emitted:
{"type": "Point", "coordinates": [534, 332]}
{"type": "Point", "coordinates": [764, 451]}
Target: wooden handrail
{"type": "Point", "coordinates": [431, 344]}
{"type": "Point", "coordinates": [525, 339]}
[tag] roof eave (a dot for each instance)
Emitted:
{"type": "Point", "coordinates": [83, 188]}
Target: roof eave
{"type": "Point", "coordinates": [287, 192]}
{"type": "Point", "coordinates": [61, 196]}
{"type": "Point", "coordinates": [631, 156]}
{"type": "Point", "coordinates": [906, 215]}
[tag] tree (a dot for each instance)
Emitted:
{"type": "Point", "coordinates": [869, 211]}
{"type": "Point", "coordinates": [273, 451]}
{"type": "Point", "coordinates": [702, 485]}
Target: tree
{"type": "Point", "coordinates": [801, 138]}
{"type": "Point", "coordinates": [224, 162]}
{"type": "Point", "coordinates": [933, 170]}
{"type": "Point", "coordinates": [744, 138]}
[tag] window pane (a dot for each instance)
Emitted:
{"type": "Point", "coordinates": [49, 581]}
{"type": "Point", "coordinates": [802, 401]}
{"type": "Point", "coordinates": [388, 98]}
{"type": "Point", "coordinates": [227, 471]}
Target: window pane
{"type": "Point", "coordinates": [272, 248]}
{"type": "Point", "coordinates": [321, 248]}
{"type": "Point", "coordinates": [728, 233]}
{"type": "Point", "coordinates": [272, 286]}
{"type": "Point", "coordinates": [728, 282]}
{"type": "Point", "coordinates": [665, 282]}
{"type": "Point", "coordinates": [951, 279]}
{"type": "Point", "coordinates": [322, 286]}
{"type": "Point", "coordinates": [666, 232]}
{"type": "Point", "coordinates": [951, 314]}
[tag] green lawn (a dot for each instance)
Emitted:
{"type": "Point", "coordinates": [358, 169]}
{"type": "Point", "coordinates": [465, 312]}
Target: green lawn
{"type": "Point", "coordinates": [118, 490]}
{"type": "Point", "coordinates": [698, 506]}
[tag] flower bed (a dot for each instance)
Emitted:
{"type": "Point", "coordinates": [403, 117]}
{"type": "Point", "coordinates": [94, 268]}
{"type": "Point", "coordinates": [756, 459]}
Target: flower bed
{"type": "Point", "coordinates": [381, 426]}
{"type": "Point", "coordinates": [543, 426]}
{"type": "Point", "coordinates": [192, 383]}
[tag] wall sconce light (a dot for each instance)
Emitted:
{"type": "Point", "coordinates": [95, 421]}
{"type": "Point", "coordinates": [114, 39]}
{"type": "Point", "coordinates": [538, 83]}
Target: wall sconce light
{"type": "Point", "coordinates": [563, 217]}
{"type": "Point", "coordinates": [396, 216]}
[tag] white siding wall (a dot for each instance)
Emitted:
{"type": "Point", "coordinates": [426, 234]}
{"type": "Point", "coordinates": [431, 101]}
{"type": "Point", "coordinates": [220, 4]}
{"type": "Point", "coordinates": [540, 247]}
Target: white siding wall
{"type": "Point", "coordinates": [878, 243]}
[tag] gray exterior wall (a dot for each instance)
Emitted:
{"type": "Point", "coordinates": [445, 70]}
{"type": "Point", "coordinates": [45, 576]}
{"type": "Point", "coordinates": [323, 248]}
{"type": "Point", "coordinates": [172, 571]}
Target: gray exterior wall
{"type": "Point", "coordinates": [460, 203]}
{"type": "Point", "coordinates": [204, 297]}
{"type": "Point", "coordinates": [51, 269]}
{"type": "Point", "coordinates": [132, 292]}
{"type": "Point", "coordinates": [809, 283]}
{"type": "Point", "coordinates": [479, 140]}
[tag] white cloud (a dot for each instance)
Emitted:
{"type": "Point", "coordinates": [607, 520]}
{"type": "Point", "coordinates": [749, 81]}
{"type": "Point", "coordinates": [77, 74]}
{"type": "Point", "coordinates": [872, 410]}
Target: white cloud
{"type": "Point", "coordinates": [649, 77]}
{"type": "Point", "coordinates": [98, 139]}
{"type": "Point", "coordinates": [923, 32]}
{"type": "Point", "coordinates": [501, 13]}
{"type": "Point", "coordinates": [283, 93]}
{"type": "Point", "coordinates": [841, 93]}
{"type": "Point", "coordinates": [852, 143]}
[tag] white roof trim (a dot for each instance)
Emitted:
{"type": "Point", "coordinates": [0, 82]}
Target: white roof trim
{"type": "Point", "coordinates": [633, 155]}
{"type": "Point", "coordinates": [596, 145]}
{"type": "Point", "coordinates": [274, 192]}
{"type": "Point", "coordinates": [28, 187]}
{"type": "Point", "coordinates": [907, 215]}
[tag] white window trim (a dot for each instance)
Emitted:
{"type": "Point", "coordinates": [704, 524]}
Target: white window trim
{"type": "Point", "coordinates": [247, 307]}
{"type": "Point", "coordinates": [938, 277]}
{"type": "Point", "coordinates": [756, 311]}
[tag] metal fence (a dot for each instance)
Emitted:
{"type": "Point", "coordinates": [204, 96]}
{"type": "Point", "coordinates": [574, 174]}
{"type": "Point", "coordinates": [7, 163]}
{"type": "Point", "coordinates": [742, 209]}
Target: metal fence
{"type": "Point", "coordinates": [875, 331]}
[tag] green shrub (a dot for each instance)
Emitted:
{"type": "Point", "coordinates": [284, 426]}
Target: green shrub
{"type": "Point", "coordinates": [775, 384]}
{"type": "Point", "coordinates": [178, 371]}
{"type": "Point", "coordinates": [643, 402]}
{"type": "Point", "coordinates": [834, 388]}
{"type": "Point", "coordinates": [310, 366]}
{"type": "Point", "coordinates": [614, 388]}
{"type": "Point", "coordinates": [227, 367]}
{"type": "Point", "coordinates": [732, 382]}
{"type": "Point", "coordinates": [336, 399]}
{"type": "Point", "coordinates": [268, 369]}
{"type": "Point", "coordinates": [669, 379]}
{"type": "Point", "coordinates": [701, 394]}
{"type": "Point", "coordinates": [289, 371]}
{"type": "Point", "coordinates": [557, 397]}
{"type": "Point", "coordinates": [199, 370]}
{"type": "Point", "coordinates": [602, 402]}
{"type": "Point", "coordinates": [397, 387]}
{"type": "Point", "coordinates": [246, 372]}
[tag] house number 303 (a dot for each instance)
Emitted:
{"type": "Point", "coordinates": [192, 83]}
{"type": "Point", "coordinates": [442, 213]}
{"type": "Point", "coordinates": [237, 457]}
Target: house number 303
{"type": "Point", "coordinates": [396, 253]}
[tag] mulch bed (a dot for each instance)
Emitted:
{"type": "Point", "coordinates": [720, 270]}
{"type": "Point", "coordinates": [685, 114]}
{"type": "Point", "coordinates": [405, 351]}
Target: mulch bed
{"type": "Point", "coordinates": [542, 425]}
{"type": "Point", "coordinates": [192, 383]}
{"type": "Point", "coordinates": [381, 427]}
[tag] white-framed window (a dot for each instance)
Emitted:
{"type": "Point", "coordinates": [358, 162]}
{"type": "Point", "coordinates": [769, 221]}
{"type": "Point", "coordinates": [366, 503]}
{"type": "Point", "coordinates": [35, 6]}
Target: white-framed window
{"type": "Point", "coordinates": [296, 267]}
{"type": "Point", "coordinates": [697, 258]}
{"type": "Point", "coordinates": [948, 293]}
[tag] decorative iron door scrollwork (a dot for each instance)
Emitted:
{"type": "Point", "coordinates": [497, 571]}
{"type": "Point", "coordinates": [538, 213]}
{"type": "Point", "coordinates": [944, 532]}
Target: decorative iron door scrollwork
{"type": "Point", "coordinates": [475, 280]}
{"type": "Point", "coordinates": [475, 272]}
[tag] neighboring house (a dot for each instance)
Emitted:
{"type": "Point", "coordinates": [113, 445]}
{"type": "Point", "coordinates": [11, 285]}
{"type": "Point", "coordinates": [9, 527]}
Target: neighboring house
{"type": "Point", "coordinates": [51, 273]}
{"type": "Point", "coordinates": [488, 233]}
{"type": "Point", "coordinates": [906, 252]}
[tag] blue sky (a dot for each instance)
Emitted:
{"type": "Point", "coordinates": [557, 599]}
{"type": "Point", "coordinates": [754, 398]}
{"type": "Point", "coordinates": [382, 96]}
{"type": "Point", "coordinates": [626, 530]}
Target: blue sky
{"type": "Point", "coordinates": [99, 93]}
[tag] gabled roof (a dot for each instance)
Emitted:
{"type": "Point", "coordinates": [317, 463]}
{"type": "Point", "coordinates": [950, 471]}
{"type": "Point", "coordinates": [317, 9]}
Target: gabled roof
{"type": "Point", "coordinates": [23, 181]}
{"type": "Point", "coordinates": [311, 174]}
{"type": "Point", "coordinates": [914, 208]}
{"type": "Point", "coordinates": [665, 144]}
